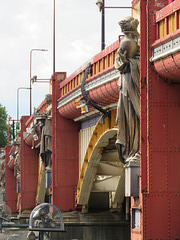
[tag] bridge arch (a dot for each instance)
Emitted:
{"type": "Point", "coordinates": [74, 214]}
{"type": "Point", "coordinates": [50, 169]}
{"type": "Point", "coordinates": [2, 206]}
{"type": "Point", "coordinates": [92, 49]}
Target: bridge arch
{"type": "Point", "coordinates": [101, 170]}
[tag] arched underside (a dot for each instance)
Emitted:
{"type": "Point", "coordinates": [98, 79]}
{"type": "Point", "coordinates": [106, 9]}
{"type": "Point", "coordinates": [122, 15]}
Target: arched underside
{"type": "Point", "coordinates": [104, 171]}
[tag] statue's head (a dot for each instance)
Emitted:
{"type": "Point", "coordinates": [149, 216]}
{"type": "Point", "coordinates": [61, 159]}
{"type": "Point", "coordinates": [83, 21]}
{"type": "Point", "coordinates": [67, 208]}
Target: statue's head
{"type": "Point", "coordinates": [129, 24]}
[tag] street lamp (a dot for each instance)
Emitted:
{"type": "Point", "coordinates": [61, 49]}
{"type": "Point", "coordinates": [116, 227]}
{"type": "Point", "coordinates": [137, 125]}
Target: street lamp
{"type": "Point", "coordinates": [101, 6]}
{"type": "Point", "coordinates": [36, 49]}
{"type": "Point", "coordinates": [35, 79]}
{"type": "Point", "coordinates": [18, 100]}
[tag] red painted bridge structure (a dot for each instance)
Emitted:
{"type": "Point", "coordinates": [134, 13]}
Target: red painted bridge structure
{"type": "Point", "coordinates": [86, 171]}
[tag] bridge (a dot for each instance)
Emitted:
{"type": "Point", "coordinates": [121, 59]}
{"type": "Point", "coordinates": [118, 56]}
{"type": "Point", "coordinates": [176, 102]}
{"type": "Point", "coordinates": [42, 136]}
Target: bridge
{"type": "Point", "coordinates": [67, 148]}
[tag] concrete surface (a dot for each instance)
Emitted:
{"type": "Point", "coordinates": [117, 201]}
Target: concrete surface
{"type": "Point", "coordinates": [81, 226]}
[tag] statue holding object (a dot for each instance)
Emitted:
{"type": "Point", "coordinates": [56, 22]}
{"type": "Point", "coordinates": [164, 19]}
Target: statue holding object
{"type": "Point", "coordinates": [128, 109]}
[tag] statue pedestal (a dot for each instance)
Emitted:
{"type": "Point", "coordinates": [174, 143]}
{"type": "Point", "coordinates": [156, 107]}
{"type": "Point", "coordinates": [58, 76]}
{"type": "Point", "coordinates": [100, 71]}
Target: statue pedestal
{"type": "Point", "coordinates": [132, 174]}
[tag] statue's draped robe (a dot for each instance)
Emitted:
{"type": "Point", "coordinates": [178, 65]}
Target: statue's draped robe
{"type": "Point", "coordinates": [128, 110]}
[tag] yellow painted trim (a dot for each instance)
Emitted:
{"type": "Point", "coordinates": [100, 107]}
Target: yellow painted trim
{"type": "Point", "coordinates": [161, 28]}
{"type": "Point", "coordinates": [18, 200]}
{"type": "Point", "coordinates": [106, 62]}
{"type": "Point", "coordinates": [111, 59]}
{"type": "Point", "coordinates": [94, 69]}
{"type": "Point", "coordinates": [115, 54]}
{"type": "Point", "coordinates": [171, 23]}
{"type": "Point", "coordinates": [79, 152]}
{"type": "Point", "coordinates": [41, 167]}
{"type": "Point", "coordinates": [74, 82]}
{"type": "Point", "coordinates": [97, 69]}
{"type": "Point", "coordinates": [113, 118]}
{"type": "Point", "coordinates": [101, 64]}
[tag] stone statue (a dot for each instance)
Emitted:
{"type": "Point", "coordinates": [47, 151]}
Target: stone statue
{"type": "Point", "coordinates": [128, 109]}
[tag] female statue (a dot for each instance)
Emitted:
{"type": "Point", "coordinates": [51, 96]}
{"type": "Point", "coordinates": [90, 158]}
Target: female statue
{"type": "Point", "coordinates": [128, 110]}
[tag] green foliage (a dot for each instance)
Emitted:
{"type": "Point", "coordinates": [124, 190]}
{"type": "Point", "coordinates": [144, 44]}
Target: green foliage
{"type": "Point", "coordinates": [17, 127]}
{"type": "Point", "coordinates": [3, 127]}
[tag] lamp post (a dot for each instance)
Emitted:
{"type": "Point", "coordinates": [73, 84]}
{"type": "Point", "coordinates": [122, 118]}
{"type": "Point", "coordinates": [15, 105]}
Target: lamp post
{"type": "Point", "coordinates": [9, 119]}
{"type": "Point", "coordinates": [18, 100]}
{"type": "Point", "coordinates": [35, 49]}
{"type": "Point", "coordinates": [54, 36]}
{"type": "Point", "coordinates": [101, 6]}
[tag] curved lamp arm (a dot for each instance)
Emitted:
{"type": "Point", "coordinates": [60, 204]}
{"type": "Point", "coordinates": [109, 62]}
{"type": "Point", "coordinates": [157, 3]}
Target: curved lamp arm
{"type": "Point", "coordinates": [87, 99]}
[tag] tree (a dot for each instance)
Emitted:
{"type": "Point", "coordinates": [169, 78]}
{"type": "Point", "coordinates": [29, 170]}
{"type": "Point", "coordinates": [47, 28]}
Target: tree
{"type": "Point", "coordinates": [3, 127]}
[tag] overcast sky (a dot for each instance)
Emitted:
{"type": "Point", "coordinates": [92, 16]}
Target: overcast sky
{"type": "Point", "coordinates": [28, 24]}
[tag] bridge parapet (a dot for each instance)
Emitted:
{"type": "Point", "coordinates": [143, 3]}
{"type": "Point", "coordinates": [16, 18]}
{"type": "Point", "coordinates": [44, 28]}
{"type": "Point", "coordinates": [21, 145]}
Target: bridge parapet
{"type": "Point", "coordinates": [168, 19]}
{"type": "Point", "coordinates": [102, 63]}
{"type": "Point", "coordinates": [166, 48]}
{"type": "Point", "coordinates": [101, 83]}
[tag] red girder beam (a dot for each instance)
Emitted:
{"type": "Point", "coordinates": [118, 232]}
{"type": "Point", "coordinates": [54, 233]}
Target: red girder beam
{"type": "Point", "coordinates": [65, 153]}
{"type": "Point", "coordinates": [29, 171]}
{"type": "Point", "coordinates": [10, 183]}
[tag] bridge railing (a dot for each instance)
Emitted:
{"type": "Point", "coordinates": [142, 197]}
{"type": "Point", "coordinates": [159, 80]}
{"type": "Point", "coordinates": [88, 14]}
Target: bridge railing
{"type": "Point", "coordinates": [166, 48]}
{"type": "Point", "coordinates": [168, 19]}
{"type": "Point", "coordinates": [101, 63]}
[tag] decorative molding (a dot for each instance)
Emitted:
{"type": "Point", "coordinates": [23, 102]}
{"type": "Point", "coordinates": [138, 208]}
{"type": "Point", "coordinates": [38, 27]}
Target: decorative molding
{"type": "Point", "coordinates": [166, 49]}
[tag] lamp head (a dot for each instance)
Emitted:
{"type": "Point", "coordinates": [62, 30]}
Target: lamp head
{"type": "Point", "coordinates": [34, 79]}
{"type": "Point", "coordinates": [99, 3]}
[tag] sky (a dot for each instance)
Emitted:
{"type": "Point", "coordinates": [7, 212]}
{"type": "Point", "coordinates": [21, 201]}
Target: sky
{"type": "Point", "coordinates": [28, 24]}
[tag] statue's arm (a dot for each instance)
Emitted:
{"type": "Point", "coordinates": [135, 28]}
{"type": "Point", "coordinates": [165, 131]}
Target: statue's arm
{"type": "Point", "coordinates": [121, 61]}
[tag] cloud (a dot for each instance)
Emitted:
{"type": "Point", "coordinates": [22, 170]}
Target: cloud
{"type": "Point", "coordinates": [26, 25]}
